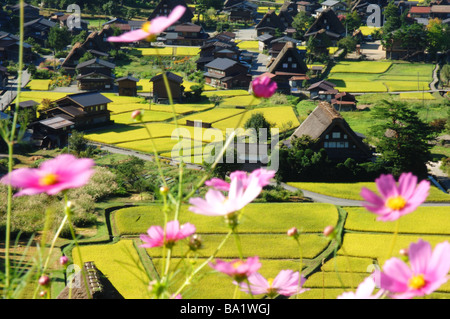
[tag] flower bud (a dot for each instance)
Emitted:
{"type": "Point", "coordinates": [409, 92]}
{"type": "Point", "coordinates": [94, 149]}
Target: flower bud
{"type": "Point", "coordinates": [293, 232]}
{"type": "Point", "coordinates": [329, 231]}
{"type": "Point", "coordinates": [44, 280]}
{"type": "Point", "coordinates": [195, 242]}
{"type": "Point", "coordinates": [137, 115]}
{"type": "Point", "coordinates": [63, 260]}
{"type": "Point", "coordinates": [163, 190]}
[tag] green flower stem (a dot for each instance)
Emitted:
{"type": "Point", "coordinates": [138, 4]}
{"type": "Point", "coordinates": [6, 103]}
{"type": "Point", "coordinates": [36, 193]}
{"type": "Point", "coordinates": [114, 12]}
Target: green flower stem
{"type": "Point", "coordinates": [394, 238]}
{"type": "Point", "coordinates": [10, 144]}
{"type": "Point", "coordinates": [207, 261]}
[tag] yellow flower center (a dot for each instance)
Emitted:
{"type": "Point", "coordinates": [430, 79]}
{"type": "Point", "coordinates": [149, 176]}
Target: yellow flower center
{"type": "Point", "coordinates": [396, 202]}
{"type": "Point", "coordinates": [237, 263]}
{"type": "Point", "coordinates": [270, 282]}
{"type": "Point", "coordinates": [416, 282]}
{"type": "Point", "coordinates": [146, 28]}
{"type": "Point", "coordinates": [49, 179]}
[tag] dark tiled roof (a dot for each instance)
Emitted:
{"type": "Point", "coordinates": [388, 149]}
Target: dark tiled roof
{"type": "Point", "coordinates": [98, 61]}
{"type": "Point", "coordinates": [170, 76]}
{"type": "Point", "coordinates": [221, 63]}
{"type": "Point", "coordinates": [87, 99]}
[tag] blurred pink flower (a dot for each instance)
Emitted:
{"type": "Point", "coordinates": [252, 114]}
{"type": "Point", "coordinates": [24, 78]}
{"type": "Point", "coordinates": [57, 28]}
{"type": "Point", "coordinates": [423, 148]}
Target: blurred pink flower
{"type": "Point", "coordinates": [152, 28]}
{"type": "Point", "coordinates": [263, 87]}
{"type": "Point", "coordinates": [364, 291]}
{"type": "Point", "coordinates": [243, 189]}
{"type": "Point", "coordinates": [395, 201]}
{"type": "Point", "coordinates": [262, 174]}
{"type": "Point", "coordinates": [237, 268]}
{"type": "Point", "coordinates": [286, 283]}
{"type": "Point", "coordinates": [427, 272]}
{"type": "Point", "coordinates": [53, 176]}
{"type": "Point", "coordinates": [173, 233]}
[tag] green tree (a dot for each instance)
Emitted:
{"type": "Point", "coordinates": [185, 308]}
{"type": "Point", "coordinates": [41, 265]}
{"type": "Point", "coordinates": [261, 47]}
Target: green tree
{"type": "Point", "coordinates": [258, 122]}
{"type": "Point", "coordinates": [392, 16]}
{"type": "Point", "coordinates": [438, 37]}
{"type": "Point", "coordinates": [301, 23]}
{"type": "Point", "coordinates": [58, 38]}
{"type": "Point", "coordinates": [77, 143]}
{"type": "Point", "coordinates": [445, 75]}
{"type": "Point", "coordinates": [402, 139]}
{"type": "Point", "coordinates": [348, 44]}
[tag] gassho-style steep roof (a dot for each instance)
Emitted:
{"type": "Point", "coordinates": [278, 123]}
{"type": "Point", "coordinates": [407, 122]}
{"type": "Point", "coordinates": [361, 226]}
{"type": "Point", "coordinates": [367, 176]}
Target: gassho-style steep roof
{"type": "Point", "coordinates": [289, 47]}
{"type": "Point", "coordinates": [321, 121]}
{"type": "Point", "coordinates": [327, 22]}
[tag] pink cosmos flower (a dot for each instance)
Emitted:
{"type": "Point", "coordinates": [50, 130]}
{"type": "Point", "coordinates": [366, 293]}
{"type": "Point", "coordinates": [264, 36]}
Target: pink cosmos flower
{"type": "Point", "coordinates": [53, 176]}
{"type": "Point", "coordinates": [427, 272]}
{"type": "Point", "coordinates": [152, 28]}
{"type": "Point", "coordinates": [395, 201]}
{"type": "Point", "coordinates": [364, 291]}
{"type": "Point", "coordinates": [286, 283]}
{"type": "Point", "coordinates": [263, 87]}
{"type": "Point", "coordinates": [173, 233]}
{"type": "Point", "coordinates": [238, 269]}
{"type": "Point", "coordinates": [242, 190]}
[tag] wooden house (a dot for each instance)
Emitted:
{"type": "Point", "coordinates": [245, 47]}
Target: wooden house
{"type": "Point", "coordinates": [38, 29]}
{"type": "Point", "coordinates": [211, 50]}
{"type": "Point", "coordinates": [3, 77]}
{"type": "Point", "coordinates": [288, 11]}
{"type": "Point", "coordinates": [98, 40]}
{"type": "Point", "coordinates": [332, 132]}
{"type": "Point", "coordinates": [307, 6]}
{"type": "Point", "coordinates": [226, 73]}
{"type": "Point", "coordinates": [264, 42]}
{"type": "Point", "coordinates": [322, 90]}
{"type": "Point", "coordinates": [326, 30]}
{"type": "Point", "coordinates": [95, 74]}
{"type": "Point", "coordinates": [30, 12]}
{"type": "Point", "coordinates": [77, 51]}
{"type": "Point", "coordinates": [160, 91]}
{"type": "Point", "coordinates": [276, 45]}
{"type": "Point", "coordinates": [52, 132]}
{"type": "Point", "coordinates": [85, 110]}
{"type": "Point", "coordinates": [186, 33]}
{"type": "Point", "coordinates": [289, 63]}
{"type": "Point", "coordinates": [127, 86]}
{"type": "Point", "coordinates": [270, 24]}
{"type": "Point", "coordinates": [344, 101]}
{"type": "Point", "coordinates": [240, 10]}
{"type": "Point", "coordinates": [9, 48]}
{"type": "Point", "coordinates": [62, 19]}
{"type": "Point", "coordinates": [165, 7]}
{"type": "Point", "coordinates": [440, 11]}
{"type": "Point", "coordinates": [339, 7]}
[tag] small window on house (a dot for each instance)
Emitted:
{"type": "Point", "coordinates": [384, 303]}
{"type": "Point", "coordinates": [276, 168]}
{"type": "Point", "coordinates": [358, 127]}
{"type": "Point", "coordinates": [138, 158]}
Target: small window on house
{"type": "Point", "coordinates": [294, 65]}
{"type": "Point", "coordinates": [285, 65]}
{"type": "Point", "coordinates": [290, 59]}
{"type": "Point", "coordinates": [325, 144]}
{"type": "Point", "coordinates": [345, 136]}
{"type": "Point", "coordinates": [327, 137]}
{"type": "Point", "coordinates": [336, 135]}
{"type": "Point", "coordinates": [332, 145]}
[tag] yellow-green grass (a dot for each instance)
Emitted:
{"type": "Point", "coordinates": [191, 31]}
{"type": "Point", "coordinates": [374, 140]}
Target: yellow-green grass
{"type": "Point", "coordinates": [276, 246]}
{"type": "Point", "coordinates": [144, 86]}
{"type": "Point", "coordinates": [397, 86]}
{"type": "Point", "coordinates": [120, 263]}
{"type": "Point", "coordinates": [377, 245]}
{"type": "Point", "coordinates": [361, 67]}
{"type": "Point", "coordinates": [242, 101]}
{"type": "Point", "coordinates": [120, 108]}
{"type": "Point", "coordinates": [164, 145]}
{"type": "Point", "coordinates": [359, 87]}
{"type": "Point", "coordinates": [265, 218]}
{"type": "Point", "coordinates": [120, 133]}
{"type": "Point", "coordinates": [38, 96]}
{"type": "Point", "coordinates": [366, 30]}
{"type": "Point", "coordinates": [165, 51]}
{"type": "Point", "coordinates": [187, 86]}
{"type": "Point", "coordinates": [186, 51]}
{"type": "Point", "coordinates": [352, 190]}
{"type": "Point", "coordinates": [39, 85]}
{"type": "Point", "coordinates": [277, 115]}
{"type": "Point", "coordinates": [416, 96]}
{"type": "Point", "coordinates": [425, 220]}
{"type": "Point", "coordinates": [211, 284]}
{"type": "Point", "coordinates": [147, 116]}
{"type": "Point", "coordinates": [211, 116]}
{"type": "Point", "coordinates": [181, 108]}
{"type": "Point", "coordinates": [225, 93]}
{"type": "Point", "coordinates": [249, 45]}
